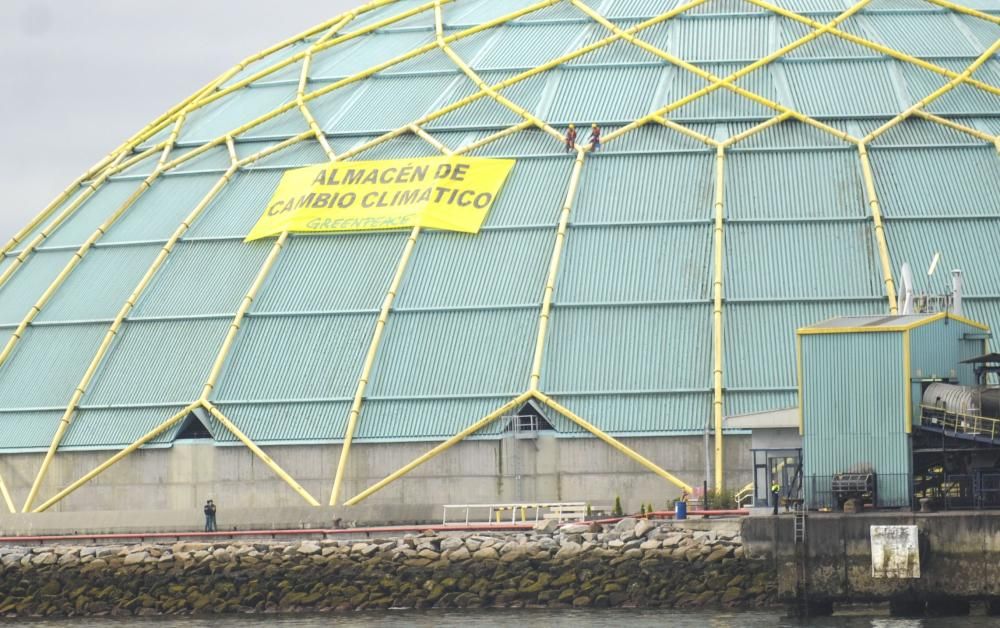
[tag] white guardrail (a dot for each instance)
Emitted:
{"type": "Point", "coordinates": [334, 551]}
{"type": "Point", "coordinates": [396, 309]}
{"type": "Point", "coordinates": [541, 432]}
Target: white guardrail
{"type": "Point", "coordinates": [561, 511]}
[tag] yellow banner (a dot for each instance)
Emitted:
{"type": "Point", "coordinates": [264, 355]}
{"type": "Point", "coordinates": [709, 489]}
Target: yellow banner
{"type": "Point", "coordinates": [453, 193]}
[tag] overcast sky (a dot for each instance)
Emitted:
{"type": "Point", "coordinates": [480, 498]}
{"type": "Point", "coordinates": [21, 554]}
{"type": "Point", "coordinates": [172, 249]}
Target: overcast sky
{"type": "Point", "coordinates": [79, 77]}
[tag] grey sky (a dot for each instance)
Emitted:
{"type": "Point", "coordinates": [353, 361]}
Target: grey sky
{"type": "Point", "coordinates": [78, 77]}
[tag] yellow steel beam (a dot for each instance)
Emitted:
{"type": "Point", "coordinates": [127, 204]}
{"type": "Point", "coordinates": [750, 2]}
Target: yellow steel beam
{"type": "Point", "coordinates": [112, 332]}
{"type": "Point", "coordinates": [715, 81]}
{"type": "Point", "coordinates": [739, 137]}
{"type": "Point", "coordinates": [907, 385]}
{"type": "Point", "coordinates": [610, 440]}
{"type": "Point", "coordinates": [717, 352]}
{"type": "Point", "coordinates": [257, 451]}
{"type": "Point", "coordinates": [683, 130]}
{"type": "Point", "coordinates": [976, 133]}
{"type": "Point", "coordinates": [958, 8]}
{"type": "Point", "coordinates": [941, 91]}
{"type": "Point", "coordinates": [6, 497]}
{"type": "Point", "coordinates": [104, 466]}
{"type": "Point", "coordinates": [886, 50]}
{"type": "Point", "coordinates": [880, 239]}
{"type": "Point", "coordinates": [550, 282]}
{"type": "Point", "coordinates": [446, 445]}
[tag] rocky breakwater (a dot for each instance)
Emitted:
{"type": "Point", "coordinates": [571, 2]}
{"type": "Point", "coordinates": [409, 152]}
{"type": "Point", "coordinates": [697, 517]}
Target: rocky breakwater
{"type": "Point", "coordinates": [634, 563]}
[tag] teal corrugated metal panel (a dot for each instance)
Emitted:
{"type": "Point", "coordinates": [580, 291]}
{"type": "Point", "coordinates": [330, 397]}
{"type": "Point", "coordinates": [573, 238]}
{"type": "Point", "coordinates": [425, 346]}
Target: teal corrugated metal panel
{"type": "Point", "coordinates": [604, 94]}
{"type": "Point", "coordinates": [940, 182]}
{"type": "Point", "coordinates": [811, 260]}
{"type": "Point", "coordinates": [154, 362]}
{"type": "Point", "coordinates": [533, 194]}
{"type": "Point", "coordinates": [28, 283]}
{"type": "Point", "coordinates": [92, 213]}
{"type": "Point", "coordinates": [901, 5]}
{"type": "Point", "coordinates": [820, 184]}
{"type": "Point", "coordinates": [788, 134]}
{"type": "Point", "coordinates": [631, 8]}
{"type": "Point", "coordinates": [722, 103]}
{"type": "Point", "coordinates": [477, 352]}
{"type": "Point", "coordinates": [917, 132]}
{"type": "Point", "coordinates": [380, 108]}
{"type": "Point", "coordinates": [289, 422]}
{"type": "Point", "coordinates": [158, 213]}
{"type": "Point", "coordinates": [47, 365]}
{"type": "Point", "coordinates": [27, 430]}
{"type": "Point", "coordinates": [146, 166]}
{"type": "Point", "coordinates": [528, 142]}
{"type": "Point", "coordinates": [213, 159]}
{"type": "Point", "coordinates": [622, 51]}
{"type": "Point", "coordinates": [98, 287]}
{"type": "Point", "coordinates": [984, 32]}
{"type": "Point", "coordinates": [641, 188]}
{"type": "Point", "coordinates": [636, 414]}
{"type": "Point", "coordinates": [331, 272]}
{"type": "Point", "coordinates": [560, 11]}
{"type": "Point", "coordinates": [936, 350]}
{"type": "Point", "coordinates": [322, 108]}
{"type": "Point", "coordinates": [486, 112]}
{"type": "Point", "coordinates": [491, 268]}
{"type": "Point", "coordinates": [984, 310]}
{"type": "Point", "coordinates": [715, 7]}
{"type": "Point", "coordinates": [749, 402]}
{"type": "Point", "coordinates": [919, 35]}
{"type": "Point", "coordinates": [638, 263]}
{"type": "Point", "coordinates": [299, 154]}
{"type": "Point", "coordinates": [759, 338]}
{"type": "Point", "coordinates": [34, 232]}
{"type": "Point", "coordinates": [479, 11]}
{"type": "Point", "coordinates": [118, 427]}
{"type": "Point", "coordinates": [963, 99]}
{"type": "Point", "coordinates": [296, 357]}
{"type": "Point", "coordinates": [203, 278]}
{"type": "Point", "coordinates": [402, 147]}
{"type": "Point", "coordinates": [866, 427]}
{"type": "Point", "coordinates": [361, 53]}
{"type": "Point", "coordinates": [383, 419]}
{"type": "Point", "coordinates": [966, 244]}
{"type": "Point", "coordinates": [729, 38]}
{"type": "Point", "coordinates": [811, 6]}
{"type": "Point", "coordinates": [238, 206]}
{"type": "Point", "coordinates": [274, 58]}
{"type": "Point", "coordinates": [656, 137]}
{"type": "Point", "coordinates": [528, 45]}
{"type": "Point", "coordinates": [435, 60]}
{"type": "Point", "coordinates": [233, 110]}
{"type": "Point", "coordinates": [843, 88]}
{"type": "Point", "coordinates": [628, 348]}
{"type": "Point", "coordinates": [827, 45]}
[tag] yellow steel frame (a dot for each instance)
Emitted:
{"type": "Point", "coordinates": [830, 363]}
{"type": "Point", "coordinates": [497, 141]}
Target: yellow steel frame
{"type": "Point", "coordinates": [328, 35]}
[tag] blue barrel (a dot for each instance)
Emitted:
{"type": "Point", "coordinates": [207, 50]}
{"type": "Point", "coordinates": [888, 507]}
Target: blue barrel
{"type": "Point", "coordinates": [680, 511]}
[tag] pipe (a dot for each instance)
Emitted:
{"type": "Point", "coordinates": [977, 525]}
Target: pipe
{"type": "Point", "coordinates": [876, 213]}
{"type": "Point", "coordinates": [257, 451]}
{"type": "Point", "coordinates": [610, 440]}
{"type": "Point", "coordinates": [550, 282]}
{"type": "Point", "coordinates": [446, 445]}
{"type": "Point", "coordinates": [101, 468]}
{"type": "Point", "coordinates": [717, 293]}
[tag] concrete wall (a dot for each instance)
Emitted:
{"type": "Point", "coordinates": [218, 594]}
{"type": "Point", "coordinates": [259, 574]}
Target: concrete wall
{"type": "Point", "coordinates": [181, 478]}
{"type": "Point", "coordinates": [959, 557]}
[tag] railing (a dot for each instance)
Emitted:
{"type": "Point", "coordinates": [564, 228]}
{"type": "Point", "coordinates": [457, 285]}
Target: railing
{"type": "Point", "coordinates": [560, 511]}
{"type": "Point", "coordinates": [745, 494]}
{"type": "Point", "coordinates": [978, 427]}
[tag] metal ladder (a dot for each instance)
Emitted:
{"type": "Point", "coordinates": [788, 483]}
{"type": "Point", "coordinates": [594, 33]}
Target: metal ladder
{"type": "Point", "coordinates": [800, 523]}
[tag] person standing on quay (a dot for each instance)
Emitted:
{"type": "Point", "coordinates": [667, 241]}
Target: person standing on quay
{"type": "Point", "coordinates": [209, 516]}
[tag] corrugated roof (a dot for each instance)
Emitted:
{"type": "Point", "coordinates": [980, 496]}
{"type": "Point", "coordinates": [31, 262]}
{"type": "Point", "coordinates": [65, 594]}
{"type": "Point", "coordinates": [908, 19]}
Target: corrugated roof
{"type": "Point", "coordinates": [630, 338]}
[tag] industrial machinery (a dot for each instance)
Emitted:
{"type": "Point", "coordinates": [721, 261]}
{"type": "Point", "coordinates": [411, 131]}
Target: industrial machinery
{"type": "Point", "coordinates": [852, 490]}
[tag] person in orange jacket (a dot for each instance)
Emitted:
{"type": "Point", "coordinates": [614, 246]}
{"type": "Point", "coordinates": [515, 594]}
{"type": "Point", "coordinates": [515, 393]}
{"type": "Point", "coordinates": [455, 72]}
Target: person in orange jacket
{"type": "Point", "coordinates": [571, 139]}
{"type": "Point", "coordinates": [595, 137]}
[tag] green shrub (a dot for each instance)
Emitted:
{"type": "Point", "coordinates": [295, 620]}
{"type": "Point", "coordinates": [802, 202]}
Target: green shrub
{"type": "Point", "coordinates": [617, 511]}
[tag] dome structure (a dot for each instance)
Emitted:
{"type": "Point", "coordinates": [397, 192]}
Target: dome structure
{"type": "Point", "coordinates": [764, 165]}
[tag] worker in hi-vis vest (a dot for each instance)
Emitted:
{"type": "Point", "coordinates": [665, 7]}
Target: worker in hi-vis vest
{"type": "Point", "coordinates": [775, 490]}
